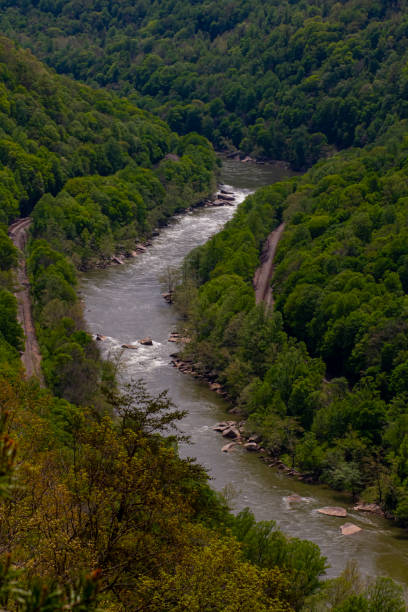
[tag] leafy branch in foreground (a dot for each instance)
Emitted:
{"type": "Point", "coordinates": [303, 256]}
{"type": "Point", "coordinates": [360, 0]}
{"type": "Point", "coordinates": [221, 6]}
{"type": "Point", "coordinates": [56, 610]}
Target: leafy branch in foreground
{"type": "Point", "coordinates": [17, 593]}
{"type": "Point", "coordinates": [145, 414]}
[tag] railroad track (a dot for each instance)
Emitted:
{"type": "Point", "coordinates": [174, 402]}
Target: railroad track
{"type": "Point", "coordinates": [31, 357]}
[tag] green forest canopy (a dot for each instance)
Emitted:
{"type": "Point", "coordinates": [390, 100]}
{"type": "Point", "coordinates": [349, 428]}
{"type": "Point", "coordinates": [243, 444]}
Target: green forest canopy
{"type": "Point", "coordinates": [286, 79]}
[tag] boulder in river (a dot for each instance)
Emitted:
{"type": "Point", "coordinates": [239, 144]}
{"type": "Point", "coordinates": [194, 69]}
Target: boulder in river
{"type": "Point", "coordinates": [174, 337]}
{"type": "Point", "coordinates": [221, 426]}
{"type": "Point", "coordinates": [293, 498]}
{"type": "Point", "coordinates": [100, 337]}
{"type": "Point", "coordinates": [117, 260]}
{"type": "Point", "coordinates": [146, 341]}
{"type": "Point", "coordinates": [252, 446]}
{"type": "Point", "coordinates": [228, 447]}
{"type": "Point", "coordinates": [333, 511]}
{"type": "Point", "coordinates": [129, 346]}
{"type": "Point", "coordinates": [215, 386]}
{"type": "Point", "coordinates": [231, 432]}
{"type": "Point", "coordinates": [227, 198]}
{"type": "Point", "coordinates": [374, 508]}
{"type": "Point", "coordinates": [349, 529]}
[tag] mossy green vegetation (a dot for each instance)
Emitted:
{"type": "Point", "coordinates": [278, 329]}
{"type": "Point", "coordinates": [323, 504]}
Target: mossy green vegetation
{"type": "Point", "coordinates": [323, 377]}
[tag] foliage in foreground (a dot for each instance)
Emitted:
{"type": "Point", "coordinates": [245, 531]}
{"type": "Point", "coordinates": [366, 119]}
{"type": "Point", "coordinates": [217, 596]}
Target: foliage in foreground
{"type": "Point", "coordinates": [93, 494]}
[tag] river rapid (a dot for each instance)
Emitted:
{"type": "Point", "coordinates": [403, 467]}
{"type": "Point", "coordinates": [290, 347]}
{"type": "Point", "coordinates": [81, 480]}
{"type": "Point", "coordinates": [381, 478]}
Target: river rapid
{"type": "Point", "coordinates": [125, 304]}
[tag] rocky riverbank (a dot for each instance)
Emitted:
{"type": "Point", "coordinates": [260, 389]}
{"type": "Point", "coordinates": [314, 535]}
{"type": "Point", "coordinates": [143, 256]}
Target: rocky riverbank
{"type": "Point", "coordinates": [221, 198]}
{"type": "Point", "coordinates": [236, 431]}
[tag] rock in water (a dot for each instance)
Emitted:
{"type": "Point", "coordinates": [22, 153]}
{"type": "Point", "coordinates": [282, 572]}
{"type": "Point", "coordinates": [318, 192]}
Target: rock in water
{"type": "Point", "coordinates": [252, 446]}
{"type": "Point", "coordinates": [227, 198]}
{"type": "Point", "coordinates": [231, 432]}
{"type": "Point", "coordinates": [333, 511]}
{"type": "Point", "coordinates": [228, 447]}
{"type": "Point", "coordinates": [146, 341]}
{"type": "Point", "coordinates": [293, 498]}
{"type": "Point", "coordinates": [221, 426]}
{"type": "Point", "coordinates": [349, 529]}
{"type": "Point", "coordinates": [374, 508]}
{"type": "Point", "coordinates": [129, 346]}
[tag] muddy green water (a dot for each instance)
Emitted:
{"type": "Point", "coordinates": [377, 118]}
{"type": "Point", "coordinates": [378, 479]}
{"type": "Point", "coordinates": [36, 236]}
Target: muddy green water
{"type": "Point", "coordinates": [124, 303]}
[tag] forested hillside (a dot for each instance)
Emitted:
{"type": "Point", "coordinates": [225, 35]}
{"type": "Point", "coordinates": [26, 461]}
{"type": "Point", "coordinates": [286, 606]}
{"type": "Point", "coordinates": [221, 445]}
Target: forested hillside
{"type": "Point", "coordinates": [93, 165]}
{"type": "Point", "coordinates": [97, 510]}
{"type": "Point", "coordinates": [93, 171]}
{"type": "Point", "coordinates": [288, 80]}
{"type": "Point", "coordinates": [323, 379]}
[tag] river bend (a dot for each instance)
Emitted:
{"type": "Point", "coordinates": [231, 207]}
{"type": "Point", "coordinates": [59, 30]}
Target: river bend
{"type": "Point", "coordinates": [124, 303]}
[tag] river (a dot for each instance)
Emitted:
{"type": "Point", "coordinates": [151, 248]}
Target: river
{"type": "Point", "coordinates": [125, 304]}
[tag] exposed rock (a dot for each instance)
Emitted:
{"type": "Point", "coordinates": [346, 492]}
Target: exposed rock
{"type": "Point", "coordinates": [146, 341]}
{"type": "Point", "coordinates": [228, 447]}
{"type": "Point", "coordinates": [174, 337]}
{"type": "Point", "coordinates": [141, 248]}
{"type": "Point", "coordinates": [168, 297]}
{"type": "Point", "coordinates": [251, 446]}
{"type": "Point", "coordinates": [349, 529]}
{"type": "Point", "coordinates": [133, 254]}
{"type": "Point", "coordinates": [247, 158]}
{"type": "Point", "coordinates": [374, 508]}
{"type": "Point", "coordinates": [254, 438]}
{"type": "Point", "coordinates": [117, 260]}
{"type": "Point", "coordinates": [333, 511]}
{"type": "Point", "coordinates": [226, 198]}
{"type": "Point", "coordinates": [231, 432]}
{"type": "Point", "coordinates": [225, 192]}
{"type": "Point", "coordinates": [293, 498]}
{"type": "Point", "coordinates": [215, 386]}
{"type": "Point", "coordinates": [100, 337]}
{"type": "Point", "coordinates": [220, 426]}
{"type": "Point", "coordinates": [129, 346]}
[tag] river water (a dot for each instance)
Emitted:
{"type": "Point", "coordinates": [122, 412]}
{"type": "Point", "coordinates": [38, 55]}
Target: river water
{"type": "Point", "coordinates": [125, 304]}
